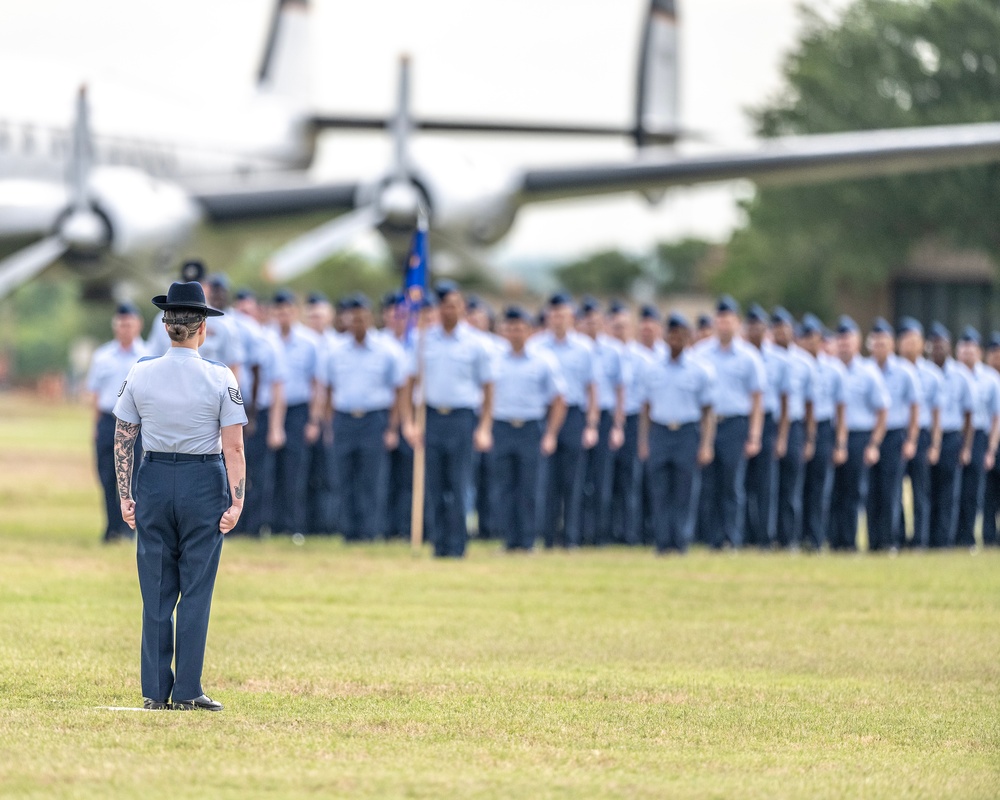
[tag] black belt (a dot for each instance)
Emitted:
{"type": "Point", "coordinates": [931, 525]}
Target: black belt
{"type": "Point", "coordinates": [178, 457]}
{"type": "Point", "coordinates": [359, 414]}
{"type": "Point", "coordinates": [673, 427]}
{"type": "Point", "coordinates": [518, 423]}
{"type": "Point", "coordinates": [444, 411]}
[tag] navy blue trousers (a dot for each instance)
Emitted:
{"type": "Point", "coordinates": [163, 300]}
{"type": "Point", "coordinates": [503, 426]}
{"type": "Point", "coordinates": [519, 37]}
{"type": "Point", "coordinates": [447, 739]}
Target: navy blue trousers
{"type": "Point", "coordinates": [674, 479]}
{"type": "Point", "coordinates": [258, 507]}
{"type": "Point", "coordinates": [723, 495]}
{"type": "Point", "coordinates": [322, 512]}
{"type": "Point", "coordinates": [817, 487]}
{"type": "Point", "coordinates": [595, 516]}
{"type": "Point", "coordinates": [761, 488]}
{"type": "Point", "coordinates": [104, 448]}
{"type": "Point", "coordinates": [291, 474]}
{"type": "Point", "coordinates": [850, 487]}
{"type": "Point", "coordinates": [178, 507]}
{"type": "Point", "coordinates": [885, 493]}
{"type": "Point", "coordinates": [399, 507]}
{"type": "Point", "coordinates": [482, 475]}
{"type": "Point", "coordinates": [991, 507]}
{"type": "Point", "coordinates": [970, 501]}
{"type": "Point", "coordinates": [625, 486]}
{"type": "Point", "coordinates": [516, 485]}
{"type": "Point", "coordinates": [564, 483]}
{"type": "Point", "coordinates": [360, 460]}
{"type": "Point", "coordinates": [791, 477]}
{"type": "Point", "coordinates": [946, 483]}
{"type": "Point", "coordinates": [449, 462]}
{"type": "Point", "coordinates": [919, 473]}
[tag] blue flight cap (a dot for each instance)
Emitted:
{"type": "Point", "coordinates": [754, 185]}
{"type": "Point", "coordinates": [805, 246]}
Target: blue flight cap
{"type": "Point", "coordinates": [704, 322]}
{"type": "Point", "coordinates": [245, 293]}
{"type": "Point", "coordinates": [589, 304]}
{"type": "Point", "coordinates": [650, 312]}
{"type": "Point", "coordinates": [127, 309]}
{"type": "Point", "coordinates": [193, 270]}
{"type": "Point", "coordinates": [677, 320]}
{"type": "Point", "coordinates": [314, 298]}
{"type": "Point", "coordinates": [846, 325]}
{"type": "Point", "coordinates": [970, 335]}
{"type": "Point", "coordinates": [909, 325]}
{"type": "Point", "coordinates": [541, 318]}
{"type": "Point", "coordinates": [726, 304]}
{"type": "Point", "coordinates": [781, 316]}
{"type": "Point", "coordinates": [811, 324]}
{"type": "Point", "coordinates": [993, 343]}
{"type": "Point", "coordinates": [881, 325]}
{"type": "Point", "coordinates": [756, 313]}
{"type": "Point", "coordinates": [560, 299]}
{"type": "Point", "coordinates": [355, 301]}
{"type": "Point", "coordinates": [617, 307]}
{"type": "Point", "coordinates": [285, 297]}
{"type": "Point", "coordinates": [391, 299]}
{"type": "Point", "coordinates": [218, 281]}
{"type": "Point", "coordinates": [444, 288]}
{"type": "Point", "coordinates": [516, 314]}
{"type": "Point", "coordinates": [473, 302]}
{"type": "Point", "coordinates": [939, 331]}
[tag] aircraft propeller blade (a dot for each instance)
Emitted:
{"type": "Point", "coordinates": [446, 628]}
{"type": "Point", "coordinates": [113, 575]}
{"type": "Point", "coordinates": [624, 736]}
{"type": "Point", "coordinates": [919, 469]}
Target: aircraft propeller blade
{"type": "Point", "coordinates": [25, 264]}
{"type": "Point", "coordinates": [79, 176]}
{"type": "Point", "coordinates": [313, 248]}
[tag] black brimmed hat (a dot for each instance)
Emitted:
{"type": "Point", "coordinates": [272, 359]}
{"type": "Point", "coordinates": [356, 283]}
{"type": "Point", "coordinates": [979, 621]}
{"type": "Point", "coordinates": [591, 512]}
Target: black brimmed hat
{"type": "Point", "coordinates": [185, 297]}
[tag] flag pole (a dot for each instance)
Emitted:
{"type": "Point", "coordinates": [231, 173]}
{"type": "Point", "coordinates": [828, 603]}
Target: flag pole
{"type": "Point", "coordinates": [417, 278]}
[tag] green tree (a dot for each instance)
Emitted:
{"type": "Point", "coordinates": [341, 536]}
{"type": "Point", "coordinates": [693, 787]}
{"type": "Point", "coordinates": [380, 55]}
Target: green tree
{"type": "Point", "coordinates": [607, 272]}
{"type": "Point", "coordinates": [883, 64]}
{"type": "Point", "coordinates": [677, 264]}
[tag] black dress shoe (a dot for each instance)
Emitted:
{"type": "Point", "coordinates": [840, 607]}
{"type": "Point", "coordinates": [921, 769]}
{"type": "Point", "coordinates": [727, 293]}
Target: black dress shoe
{"type": "Point", "coordinates": [155, 705]}
{"type": "Point", "coordinates": [203, 703]}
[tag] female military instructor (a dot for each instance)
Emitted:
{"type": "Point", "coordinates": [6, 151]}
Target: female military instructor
{"type": "Point", "coordinates": [186, 496]}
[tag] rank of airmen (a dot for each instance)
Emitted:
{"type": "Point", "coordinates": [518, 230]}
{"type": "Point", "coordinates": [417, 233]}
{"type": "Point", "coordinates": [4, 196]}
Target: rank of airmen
{"type": "Point", "coordinates": [583, 425]}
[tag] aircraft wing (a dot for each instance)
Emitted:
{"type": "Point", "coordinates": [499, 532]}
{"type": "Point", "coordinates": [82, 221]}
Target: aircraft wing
{"type": "Point", "coordinates": [785, 160]}
{"type": "Point", "coordinates": [248, 201]}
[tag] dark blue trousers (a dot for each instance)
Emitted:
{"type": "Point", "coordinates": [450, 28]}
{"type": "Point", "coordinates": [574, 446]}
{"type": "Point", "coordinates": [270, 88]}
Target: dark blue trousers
{"type": "Point", "coordinates": [399, 507]}
{"type": "Point", "coordinates": [674, 479]}
{"type": "Point", "coordinates": [970, 501]}
{"type": "Point", "coordinates": [761, 488]}
{"type": "Point", "coordinates": [178, 507]}
{"type": "Point", "coordinates": [482, 474]}
{"type": "Point", "coordinates": [723, 485]}
{"type": "Point", "coordinates": [885, 493]}
{"type": "Point", "coordinates": [322, 512]}
{"type": "Point", "coordinates": [817, 486]}
{"type": "Point", "coordinates": [360, 460]}
{"type": "Point", "coordinates": [449, 462]}
{"type": "Point", "coordinates": [515, 489]}
{"type": "Point", "coordinates": [791, 477]}
{"type": "Point", "coordinates": [646, 534]}
{"type": "Point", "coordinates": [564, 483]}
{"type": "Point", "coordinates": [919, 473]}
{"type": "Point", "coordinates": [104, 447]}
{"type": "Point", "coordinates": [946, 483]}
{"type": "Point", "coordinates": [625, 486]}
{"type": "Point", "coordinates": [850, 486]}
{"type": "Point", "coordinates": [991, 507]}
{"type": "Point", "coordinates": [291, 474]}
{"type": "Point", "coordinates": [595, 517]}
{"type": "Point", "coordinates": [258, 507]}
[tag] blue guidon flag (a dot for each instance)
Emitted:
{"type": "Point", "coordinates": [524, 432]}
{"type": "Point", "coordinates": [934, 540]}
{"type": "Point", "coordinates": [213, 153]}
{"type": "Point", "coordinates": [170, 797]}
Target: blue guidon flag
{"type": "Point", "coordinates": [415, 278]}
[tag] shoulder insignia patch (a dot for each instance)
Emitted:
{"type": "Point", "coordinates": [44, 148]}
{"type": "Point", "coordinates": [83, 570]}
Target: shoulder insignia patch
{"type": "Point", "coordinates": [122, 389]}
{"type": "Point", "coordinates": [234, 395]}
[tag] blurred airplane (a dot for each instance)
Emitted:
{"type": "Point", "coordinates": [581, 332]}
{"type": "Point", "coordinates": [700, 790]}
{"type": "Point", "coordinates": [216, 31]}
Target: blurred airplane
{"type": "Point", "coordinates": [129, 200]}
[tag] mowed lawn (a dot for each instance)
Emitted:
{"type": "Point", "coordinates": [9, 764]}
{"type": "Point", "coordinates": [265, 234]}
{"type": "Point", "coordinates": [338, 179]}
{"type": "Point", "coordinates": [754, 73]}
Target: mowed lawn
{"type": "Point", "coordinates": [368, 671]}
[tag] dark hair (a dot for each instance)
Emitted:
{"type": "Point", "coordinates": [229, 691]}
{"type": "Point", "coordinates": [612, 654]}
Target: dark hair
{"type": "Point", "coordinates": [183, 323]}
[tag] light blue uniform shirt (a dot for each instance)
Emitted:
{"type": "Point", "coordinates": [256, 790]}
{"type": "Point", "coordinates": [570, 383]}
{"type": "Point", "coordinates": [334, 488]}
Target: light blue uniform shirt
{"type": "Point", "coordinates": [302, 363]}
{"type": "Point", "coordinates": [830, 387]}
{"type": "Point", "coordinates": [457, 366]}
{"type": "Point", "coordinates": [903, 385]}
{"type": "Point", "coordinates": [637, 357]}
{"type": "Point", "coordinates": [865, 394]}
{"type": "Point", "coordinates": [223, 341]}
{"type": "Point", "coordinates": [929, 381]}
{"type": "Point", "coordinates": [777, 369]}
{"type": "Point", "coordinates": [109, 367]}
{"type": "Point", "coordinates": [526, 384]}
{"type": "Point", "coordinates": [986, 396]}
{"type": "Point", "coordinates": [739, 372]}
{"type": "Point", "coordinates": [364, 377]}
{"type": "Point", "coordinates": [609, 371]}
{"type": "Point", "coordinates": [575, 355]}
{"type": "Point", "coordinates": [182, 401]}
{"type": "Point", "coordinates": [677, 390]}
{"type": "Point", "coordinates": [956, 397]}
{"type": "Point", "coordinates": [269, 358]}
{"type": "Point", "coordinates": [249, 331]}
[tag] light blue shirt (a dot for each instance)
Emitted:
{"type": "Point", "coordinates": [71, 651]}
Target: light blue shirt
{"type": "Point", "coordinates": [865, 394]}
{"type": "Point", "coordinates": [182, 401]}
{"type": "Point", "coordinates": [457, 366]}
{"type": "Point", "coordinates": [364, 377]}
{"type": "Point", "coordinates": [778, 377]}
{"type": "Point", "coordinates": [929, 382]}
{"type": "Point", "coordinates": [223, 340]}
{"type": "Point", "coordinates": [609, 371]}
{"type": "Point", "coordinates": [903, 385]}
{"type": "Point", "coordinates": [830, 388]}
{"type": "Point", "coordinates": [638, 357]}
{"type": "Point", "coordinates": [956, 396]}
{"type": "Point", "coordinates": [526, 384]}
{"type": "Point", "coordinates": [302, 363]}
{"type": "Point", "coordinates": [986, 396]}
{"type": "Point", "coordinates": [677, 390]}
{"type": "Point", "coordinates": [109, 367]}
{"type": "Point", "coordinates": [739, 372]}
{"type": "Point", "coordinates": [575, 355]}
{"type": "Point", "coordinates": [269, 359]}
{"type": "Point", "coordinates": [801, 381]}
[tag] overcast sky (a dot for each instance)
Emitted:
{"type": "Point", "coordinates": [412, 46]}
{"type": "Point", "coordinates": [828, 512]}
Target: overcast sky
{"type": "Point", "coordinates": [546, 60]}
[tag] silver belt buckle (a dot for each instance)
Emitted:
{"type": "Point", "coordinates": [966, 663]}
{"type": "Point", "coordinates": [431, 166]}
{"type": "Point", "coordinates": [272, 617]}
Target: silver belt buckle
{"type": "Point", "coordinates": [444, 412]}
{"type": "Point", "coordinates": [517, 423]}
{"type": "Point", "coordinates": [357, 414]}
{"type": "Point", "coordinates": [674, 426]}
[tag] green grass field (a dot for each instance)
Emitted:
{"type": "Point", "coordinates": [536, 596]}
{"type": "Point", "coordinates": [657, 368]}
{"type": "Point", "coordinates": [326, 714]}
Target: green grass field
{"type": "Point", "coordinates": [368, 671]}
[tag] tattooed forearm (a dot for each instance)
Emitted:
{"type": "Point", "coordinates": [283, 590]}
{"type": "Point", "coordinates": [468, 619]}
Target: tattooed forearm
{"type": "Point", "coordinates": [125, 434]}
{"type": "Point", "coordinates": [239, 489]}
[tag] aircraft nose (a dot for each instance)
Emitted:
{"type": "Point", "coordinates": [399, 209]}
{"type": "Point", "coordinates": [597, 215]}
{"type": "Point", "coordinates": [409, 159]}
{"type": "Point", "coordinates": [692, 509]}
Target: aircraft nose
{"type": "Point", "coordinates": [84, 231]}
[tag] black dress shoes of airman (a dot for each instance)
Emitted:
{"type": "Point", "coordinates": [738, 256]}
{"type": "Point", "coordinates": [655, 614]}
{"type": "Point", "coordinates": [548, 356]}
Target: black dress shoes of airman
{"type": "Point", "coordinates": [155, 705]}
{"type": "Point", "coordinates": [203, 703]}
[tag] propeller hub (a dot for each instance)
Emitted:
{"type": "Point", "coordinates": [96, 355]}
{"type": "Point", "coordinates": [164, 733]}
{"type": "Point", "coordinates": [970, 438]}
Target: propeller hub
{"type": "Point", "coordinates": [400, 204]}
{"type": "Point", "coordinates": [84, 232]}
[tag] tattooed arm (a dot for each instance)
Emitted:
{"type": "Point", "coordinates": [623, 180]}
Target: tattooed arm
{"type": "Point", "coordinates": [236, 472]}
{"type": "Point", "coordinates": [125, 435]}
